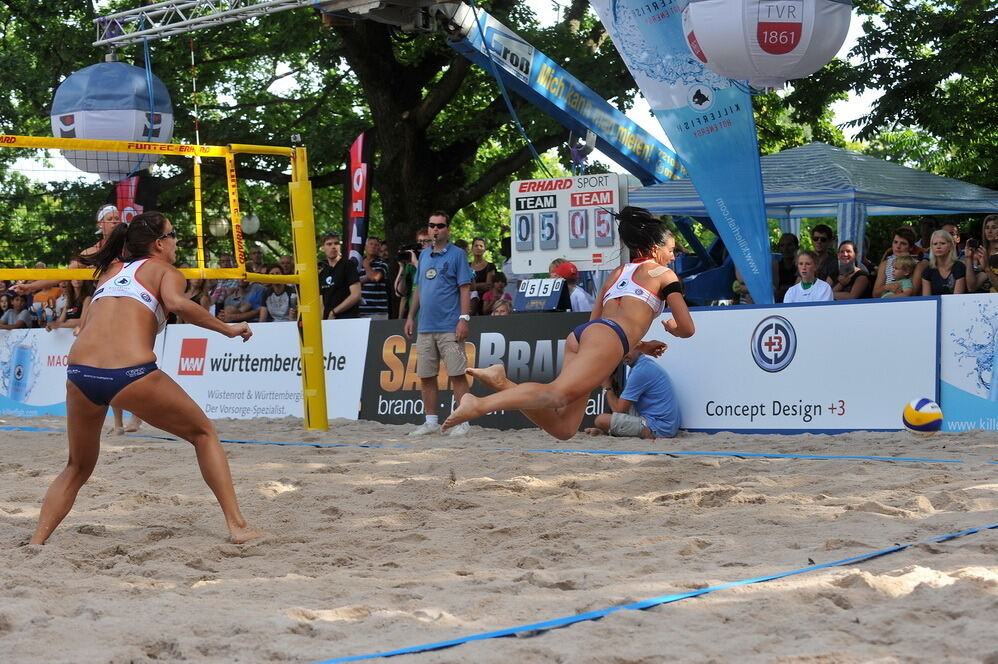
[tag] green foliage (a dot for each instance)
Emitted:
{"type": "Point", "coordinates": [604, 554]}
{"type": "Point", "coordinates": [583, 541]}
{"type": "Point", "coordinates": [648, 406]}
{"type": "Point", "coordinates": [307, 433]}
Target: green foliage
{"type": "Point", "coordinates": [782, 124]}
{"type": "Point", "coordinates": [443, 136]}
{"type": "Point", "coordinates": [934, 62]}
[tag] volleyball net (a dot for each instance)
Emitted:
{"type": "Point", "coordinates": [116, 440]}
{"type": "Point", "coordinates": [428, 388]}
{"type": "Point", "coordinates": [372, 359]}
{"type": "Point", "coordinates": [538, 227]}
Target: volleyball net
{"type": "Point", "coordinates": [49, 206]}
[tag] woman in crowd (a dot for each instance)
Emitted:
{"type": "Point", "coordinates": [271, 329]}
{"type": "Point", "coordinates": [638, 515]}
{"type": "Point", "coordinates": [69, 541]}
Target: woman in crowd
{"type": "Point", "coordinates": [982, 273]}
{"type": "Point", "coordinates": [631, 299]}
{"type": "Point", "coordinates": [4, 303]}
{"type": "Point", "coordinates": [78, 295]}
{"type": "Point", "coordinates": [901, 245]}
{"type": "Point", "coordinates": [129, 307]}
{"type": "Point", "coordinates": [945, 275]}
{"type": "Point", "coordinates": [787, 265]}
{"type": "Point", "coordinates": [198, 291]}
{"type": "Point", "coordinates": [484, 271]}
{"type": "Point", "coordinates": [852, 282]}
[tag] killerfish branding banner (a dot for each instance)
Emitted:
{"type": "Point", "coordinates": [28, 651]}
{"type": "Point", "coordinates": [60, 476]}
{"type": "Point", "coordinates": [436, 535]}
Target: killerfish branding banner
{"type": "Point", "coordinates": [708, 119]}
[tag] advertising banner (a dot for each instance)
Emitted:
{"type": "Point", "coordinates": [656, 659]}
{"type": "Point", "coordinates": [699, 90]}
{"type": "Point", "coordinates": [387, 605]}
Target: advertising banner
{"type": "Point", "coordinates": [530, 346]}
{"type": "Point", "coordinates": [262, 377]}
{"type": "Point", "coordinates": [968, 348]}
{"type": "Point", "coordinates": [33, 370]}
{"type": "Point", "coordinates": [548, 86]}
{"type": "Point", "coordinates": [708, 119]}
{"type": "Point", "coordinates": [804, 368]}
{"type": "Point", "coordinates": [356, 204]}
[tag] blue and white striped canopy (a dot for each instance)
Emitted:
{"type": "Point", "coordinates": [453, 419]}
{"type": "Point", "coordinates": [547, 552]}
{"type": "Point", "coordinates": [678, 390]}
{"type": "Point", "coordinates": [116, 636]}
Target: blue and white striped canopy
{"type": "Point", "coordinates": [814, 180]}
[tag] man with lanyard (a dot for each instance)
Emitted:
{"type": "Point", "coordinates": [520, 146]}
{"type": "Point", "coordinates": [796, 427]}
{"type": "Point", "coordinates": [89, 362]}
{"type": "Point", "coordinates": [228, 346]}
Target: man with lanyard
{"type": "Point", "coordinates": [442, 300]}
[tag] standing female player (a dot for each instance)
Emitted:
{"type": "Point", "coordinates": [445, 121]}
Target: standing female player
{"type": "Point", "coordinates": [631, 299]}
{"type": "Point", "coordinates": [129, 307]}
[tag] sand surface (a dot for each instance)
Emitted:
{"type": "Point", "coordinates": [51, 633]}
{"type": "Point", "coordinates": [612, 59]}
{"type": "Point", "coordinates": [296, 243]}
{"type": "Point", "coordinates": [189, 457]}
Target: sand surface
{"type": "Point", "coordinates": [423, 540]}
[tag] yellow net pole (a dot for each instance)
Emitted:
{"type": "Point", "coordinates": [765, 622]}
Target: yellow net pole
{"type": "Point", "coordinates": [199, 217]}
{"type": "Point", "coordinates": [237, 225]}
{"type": "Point", "coordinates": [309, 303]}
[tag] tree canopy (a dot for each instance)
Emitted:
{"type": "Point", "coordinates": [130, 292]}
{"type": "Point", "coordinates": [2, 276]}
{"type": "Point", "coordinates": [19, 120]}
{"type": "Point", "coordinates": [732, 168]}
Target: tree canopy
{"type": "Point", "coordinates": [442, 132]}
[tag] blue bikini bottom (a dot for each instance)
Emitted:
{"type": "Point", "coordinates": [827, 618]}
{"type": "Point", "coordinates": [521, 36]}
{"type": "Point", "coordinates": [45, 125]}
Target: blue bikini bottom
{"type": "Point", "coordinates": [101, 385]}
{"type": "Point", "coordinates": [612, 324]}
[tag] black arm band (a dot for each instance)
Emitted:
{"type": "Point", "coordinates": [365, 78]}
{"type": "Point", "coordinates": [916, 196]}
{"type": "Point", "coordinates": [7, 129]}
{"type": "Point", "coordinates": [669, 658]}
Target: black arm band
{"type": "Point", "coordinates": [674, 287]}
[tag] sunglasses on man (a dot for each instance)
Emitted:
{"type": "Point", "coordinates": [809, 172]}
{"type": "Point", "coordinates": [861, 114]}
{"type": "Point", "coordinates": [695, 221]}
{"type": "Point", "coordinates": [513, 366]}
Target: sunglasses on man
{"type": "Point", "coordinates": [432, 225]}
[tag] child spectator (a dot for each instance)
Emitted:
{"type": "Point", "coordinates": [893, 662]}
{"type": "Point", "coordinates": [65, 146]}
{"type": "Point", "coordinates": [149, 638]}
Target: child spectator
{"type": "Point", "coordinates": [904, 266]}
{"type": "Point", "coordinates": [581, 300]}
{"type": "Point", "coordinates": [280, 301]}
{"type": "Point", "coordinates": [502, 308]}
{"type": "Point", "coordinates": [17, 317]}
{"type": "Point", "coordinates": [810, 288]}
{"type": "Point", "coordinates": [495, 294]}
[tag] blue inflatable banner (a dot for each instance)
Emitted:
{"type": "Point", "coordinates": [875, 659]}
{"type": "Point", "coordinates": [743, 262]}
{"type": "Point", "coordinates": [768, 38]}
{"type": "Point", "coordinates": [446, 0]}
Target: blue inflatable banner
{"type": "Point", "coordinates": [547, 85]}
{"type": "Point", "coordinates": [709, 121]}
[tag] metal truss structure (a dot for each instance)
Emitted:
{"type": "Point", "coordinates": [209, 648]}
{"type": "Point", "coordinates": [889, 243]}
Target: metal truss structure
{"type": "Point", "coordinates": [177, 17]}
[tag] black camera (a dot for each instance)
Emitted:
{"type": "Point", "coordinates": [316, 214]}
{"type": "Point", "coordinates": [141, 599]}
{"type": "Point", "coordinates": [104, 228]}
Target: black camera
{"type": "Point", "coordinates": [407, 253]}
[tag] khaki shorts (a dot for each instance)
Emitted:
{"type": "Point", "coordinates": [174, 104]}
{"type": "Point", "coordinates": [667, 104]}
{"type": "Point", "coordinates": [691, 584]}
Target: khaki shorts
{"type": "Point", "coordinates": [627, 424]}
{"type": "Point", "coordinates": [431, 347]}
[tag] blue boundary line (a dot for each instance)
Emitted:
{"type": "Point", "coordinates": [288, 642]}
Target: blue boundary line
{"type": "Point", "coordinates": [737, 455]}
{"type": "Point", "coordinates": [643, 604]}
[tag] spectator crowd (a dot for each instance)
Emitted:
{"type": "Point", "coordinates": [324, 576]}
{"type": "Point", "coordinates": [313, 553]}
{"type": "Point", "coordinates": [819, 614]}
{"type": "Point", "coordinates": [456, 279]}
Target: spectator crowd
{"type": "Point", "coordinates": [935, 261]}
{"type": "Point", "coordinates": [938, 259]}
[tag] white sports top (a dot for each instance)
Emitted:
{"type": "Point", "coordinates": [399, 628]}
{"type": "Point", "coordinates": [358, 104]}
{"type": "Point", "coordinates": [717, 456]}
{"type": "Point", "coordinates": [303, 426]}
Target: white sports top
{"type": "Point", "coordinates": [127, 284]}
{"type": "Point", "coordinates": [625, 286]}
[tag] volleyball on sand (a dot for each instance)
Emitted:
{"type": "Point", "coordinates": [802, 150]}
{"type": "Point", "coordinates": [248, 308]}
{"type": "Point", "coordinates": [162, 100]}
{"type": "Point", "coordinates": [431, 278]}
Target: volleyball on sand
{"type": "Point", "coordinates": [922, 417]}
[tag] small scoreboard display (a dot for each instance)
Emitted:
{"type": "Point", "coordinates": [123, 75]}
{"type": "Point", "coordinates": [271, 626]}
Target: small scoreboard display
{"type": "Point", "coordinates": [570, 218]}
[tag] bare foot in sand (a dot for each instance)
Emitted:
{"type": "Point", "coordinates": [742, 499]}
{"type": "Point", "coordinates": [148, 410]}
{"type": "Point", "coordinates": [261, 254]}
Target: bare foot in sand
{"type": "Point", "coordinates": [594, 431]}
{"type": "Point", "coordinates": [493, 377]}
{"type": "Point", "coordinates": [133, 425]}
{"type": "Point", "coordinates": [468, 409]}
{"type": "Point", "coordinates": [245, 534]}
{"type": "Point", "coordinates": [115, 431]}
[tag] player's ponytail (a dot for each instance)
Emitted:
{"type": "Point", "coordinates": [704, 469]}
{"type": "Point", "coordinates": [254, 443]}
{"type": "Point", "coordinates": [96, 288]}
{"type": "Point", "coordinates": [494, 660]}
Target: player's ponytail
{"type": "Point", "coordinates": [640, 230]}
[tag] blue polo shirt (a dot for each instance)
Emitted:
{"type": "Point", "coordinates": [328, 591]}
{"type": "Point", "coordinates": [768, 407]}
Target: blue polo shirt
{"type": "Point", "coordinates": [439, 278]}
{"type": "Point", "coordinates": [650, 390]}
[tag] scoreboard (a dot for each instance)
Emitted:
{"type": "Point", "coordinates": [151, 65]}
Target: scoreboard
{"type": "Point", "coordinates": [570, 218]}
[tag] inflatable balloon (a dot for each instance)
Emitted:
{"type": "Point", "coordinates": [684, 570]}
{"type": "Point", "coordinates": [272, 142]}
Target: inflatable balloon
{"type": "Point", "coordinates": [110, 101]}
{"type": "Point", "coordinates": [766, 42]}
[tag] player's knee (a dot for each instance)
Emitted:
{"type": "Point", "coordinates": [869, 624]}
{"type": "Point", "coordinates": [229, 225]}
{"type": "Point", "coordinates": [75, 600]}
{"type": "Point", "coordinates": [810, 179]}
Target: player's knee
{"type": "Point", "coordinates": [81, 467]}
{"type": "Point", "coordinates": [202, 433]}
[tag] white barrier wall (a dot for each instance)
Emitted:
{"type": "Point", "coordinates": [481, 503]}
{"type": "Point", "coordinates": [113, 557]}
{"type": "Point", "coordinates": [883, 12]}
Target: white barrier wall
{"type": "Point", "coordinates": [968, 344]}
{"type": "Point", "coordinates": [808, 368]}
{"type": "Point", "coordinates": [262, 377]}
